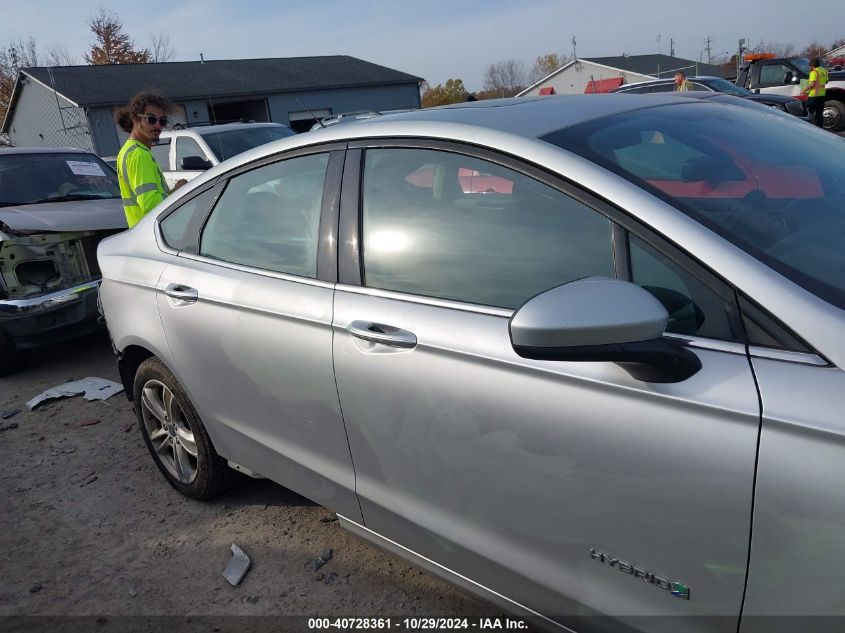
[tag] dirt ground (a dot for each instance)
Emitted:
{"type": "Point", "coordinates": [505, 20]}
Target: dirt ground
{"type": "Point", "coordinates": [89, 527]}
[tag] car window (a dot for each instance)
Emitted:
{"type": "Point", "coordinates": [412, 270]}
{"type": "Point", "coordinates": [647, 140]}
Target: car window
{"type": "Point", "coordinates": [773, 74]}
{"type": "Point", "coordinates": [186, 146]}
{"type": "Point", "coordinates": [455, 227]}
{"type": "Point", "coordinates": [694, 308]}
{"type": "Point", "coordinates": [700, 87]}
{"type": "Point", "coordinates": [233, 142]}
{"type": "Point", "coordinates": [669, 87]}
{"type": "Point", "coordinates": [269, 217]}
{"type": "Point", "coordinates": [161, 152]}
{"type": "Point", "coordinates": [176, 227]}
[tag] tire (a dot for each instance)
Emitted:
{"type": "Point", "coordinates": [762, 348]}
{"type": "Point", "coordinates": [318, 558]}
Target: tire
{"type": "Point", "coordinates": [11, 360]}
{"type": "Point", "coordinates": [175, 435]}
{"type": "Point", "coordinates": [834, 121]}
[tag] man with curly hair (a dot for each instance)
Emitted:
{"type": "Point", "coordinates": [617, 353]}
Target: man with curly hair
{"type": "Point", "coordinates": [142, 185]}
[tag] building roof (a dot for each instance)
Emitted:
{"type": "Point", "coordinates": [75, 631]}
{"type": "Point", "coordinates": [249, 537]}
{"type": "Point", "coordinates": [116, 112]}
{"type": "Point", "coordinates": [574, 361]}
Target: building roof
{"type": "Point", "coordinates": [117, 83]}
{"type": "Point", "coordinates": [657, 65]}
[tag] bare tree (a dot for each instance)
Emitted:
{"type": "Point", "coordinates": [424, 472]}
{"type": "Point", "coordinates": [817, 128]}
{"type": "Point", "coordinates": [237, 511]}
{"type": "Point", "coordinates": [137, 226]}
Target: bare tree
{"type": "Point", "coordinates": [815, 49]}
{"type": "Point", "coordinates": [17, 54]}
{"type": "Point", "coordinates": [58, 55]}
{"type": "Point", "coordinates": [545, 65]}
{"type": "Point", "coordinates": [113, 46]}
{"type": "Point", "coordinates": [162, 50]}
{"type": "Point", "coordinates": [778, 48]}
{"type": "Point", "coordinates": [505, 78]}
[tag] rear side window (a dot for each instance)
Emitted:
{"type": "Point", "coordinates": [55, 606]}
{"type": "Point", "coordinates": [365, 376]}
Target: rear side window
{"type": "Point", "coordinates": [269, 217]}
{"type": "Point", "coordinates": [178, 229]}
{"type": "Point", "coordinates": [451, 226]}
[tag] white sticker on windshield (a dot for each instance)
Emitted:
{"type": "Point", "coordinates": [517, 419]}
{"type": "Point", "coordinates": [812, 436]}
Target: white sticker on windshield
{"type": "Point", "coordinates": [82, 168]}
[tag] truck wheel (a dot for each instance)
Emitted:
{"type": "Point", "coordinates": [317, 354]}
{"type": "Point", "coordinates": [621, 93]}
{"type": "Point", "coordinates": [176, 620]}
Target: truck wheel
{"type": "Point", "coordinates": [834, 116]}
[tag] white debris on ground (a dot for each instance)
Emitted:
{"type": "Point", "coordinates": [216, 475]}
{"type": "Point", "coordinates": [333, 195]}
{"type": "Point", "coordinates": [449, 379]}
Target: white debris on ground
{"type": "Point", "coordinates": [93, 388]}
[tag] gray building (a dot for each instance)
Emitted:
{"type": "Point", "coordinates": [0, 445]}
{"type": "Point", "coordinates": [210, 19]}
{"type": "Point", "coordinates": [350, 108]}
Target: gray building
{"type": "Point", "coordinates": [74, 106]}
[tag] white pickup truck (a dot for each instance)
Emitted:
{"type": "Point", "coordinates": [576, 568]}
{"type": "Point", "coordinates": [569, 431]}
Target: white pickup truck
{"type": "Point", "coordinates": [780, 75]}
{"type": "Point", "coordinates": [187, 152]}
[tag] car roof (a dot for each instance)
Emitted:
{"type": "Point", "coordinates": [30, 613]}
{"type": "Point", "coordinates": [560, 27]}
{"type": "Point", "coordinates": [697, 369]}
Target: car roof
{"type": "Point", "coordinates": [668, 80]}
{"type": "Point", "coordinates": [533, 116]}
{"type": "Point", "coordinates": [223, 127]}
{"type": "Point", "coordinates": [43, 150]}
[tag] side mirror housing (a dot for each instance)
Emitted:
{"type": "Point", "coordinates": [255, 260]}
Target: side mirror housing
{"type": "Point", "coordinates": [194, 163]}
{"type": "Point", "coordinates": [602, 320]}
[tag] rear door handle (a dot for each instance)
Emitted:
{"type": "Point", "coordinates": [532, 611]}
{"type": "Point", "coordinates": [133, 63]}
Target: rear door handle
{"type": "Point", "coordinates": [382, 334]}
{"type": "Point", "coordinates": [183, 293]}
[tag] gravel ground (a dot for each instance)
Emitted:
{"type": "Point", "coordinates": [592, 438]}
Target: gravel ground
{"type": "Point", "coordinates": [89, 527]}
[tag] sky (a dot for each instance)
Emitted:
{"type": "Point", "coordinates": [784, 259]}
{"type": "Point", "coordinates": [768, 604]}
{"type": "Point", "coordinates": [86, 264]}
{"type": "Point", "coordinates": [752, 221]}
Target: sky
{"type": "Point", "coordinates": [433, 39]}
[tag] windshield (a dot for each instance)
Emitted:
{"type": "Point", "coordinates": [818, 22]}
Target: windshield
{"type": "Point", "coordinates": [723, 85]}
{"type": "Point", "coordinates": [31, 178]}
{"type": "Point", "coordinates": [232, 142]}
{"type": "Point", "coordinates": [802, 64]}
{"type": "Point", "coordinates": [772, 185]}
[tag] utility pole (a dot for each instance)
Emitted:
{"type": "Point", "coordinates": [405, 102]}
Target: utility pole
{"type": "Point", "coordinates": [574, 54]}
{"type": "Point", "coordinates": [671, 47]}
{"type": "Point", "coordinates": [659, 49]}
{"type": "Point", "coordinates": [709, 55]}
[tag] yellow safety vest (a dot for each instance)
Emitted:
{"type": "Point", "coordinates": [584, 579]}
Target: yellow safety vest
{"type": "Point", "coordinates": [142, 185]}
{"type": "Point", "coordinates": [820, 75]}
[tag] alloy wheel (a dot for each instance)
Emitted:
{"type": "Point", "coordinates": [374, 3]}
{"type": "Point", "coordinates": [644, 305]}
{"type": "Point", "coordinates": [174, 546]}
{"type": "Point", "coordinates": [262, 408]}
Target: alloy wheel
{"type": "Point", "coordinates": [170, 433]}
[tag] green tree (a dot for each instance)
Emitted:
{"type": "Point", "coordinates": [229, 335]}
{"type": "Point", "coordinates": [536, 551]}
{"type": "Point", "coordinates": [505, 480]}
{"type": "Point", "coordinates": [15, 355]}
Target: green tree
{"type": "Point", "coordinates": [452, 91]}
{"type": "Point", "coordinates": [113, 46]}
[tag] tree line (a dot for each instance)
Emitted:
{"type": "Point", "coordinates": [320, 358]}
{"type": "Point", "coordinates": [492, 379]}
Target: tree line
{"type": "Point", "coordinates": [111, 45]}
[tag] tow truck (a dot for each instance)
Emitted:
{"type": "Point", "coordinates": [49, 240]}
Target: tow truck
{"type": "Point", "coordinates": [766, 73]}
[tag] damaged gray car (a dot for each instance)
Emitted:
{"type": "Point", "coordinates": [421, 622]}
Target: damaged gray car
{"type": "Point", "coordinates": [55, 207]}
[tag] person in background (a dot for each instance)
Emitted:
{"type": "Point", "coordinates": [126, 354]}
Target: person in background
{"type": "Point", "coordinates": [815, 91]}
{"type": "Point", "coordinates": [681, 83]}
{"type": "Point", "coordinates": [142, 185]}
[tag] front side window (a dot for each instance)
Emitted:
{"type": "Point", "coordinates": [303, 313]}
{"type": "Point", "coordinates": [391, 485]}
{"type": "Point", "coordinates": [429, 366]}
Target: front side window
{"type": "Point", "coordinates": [186, 146]}
{"type": "Point", "coordinates": [269, 217]}
{"type": "Point", "coordinates": [768, 183]}
{"type": "Point", "coordinates": [774, 75]}
{"type": "Point", "coordinates": [456, 227]}
{"type": "Point", "coordinates": [694, 309]}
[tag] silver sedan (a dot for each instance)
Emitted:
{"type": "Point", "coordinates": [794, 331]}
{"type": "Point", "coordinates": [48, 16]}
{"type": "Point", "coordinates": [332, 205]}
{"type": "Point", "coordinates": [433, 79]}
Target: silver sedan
{"type": "Point", "coordinates": [581, 356]}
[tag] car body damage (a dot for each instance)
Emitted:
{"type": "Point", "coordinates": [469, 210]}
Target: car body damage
{"type": "Point", "coordinates": [56, 205]}
{"type": "Point", "coordinates": [35, 264]}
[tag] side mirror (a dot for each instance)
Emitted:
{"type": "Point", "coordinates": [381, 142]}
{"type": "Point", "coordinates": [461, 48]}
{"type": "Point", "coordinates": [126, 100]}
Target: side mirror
{"type": "Point", "coordinates": [194, 163]}
{"type": "Point", "coordinates": [602, 320]}
{"type": "Point", "coordinates": [790, 78]}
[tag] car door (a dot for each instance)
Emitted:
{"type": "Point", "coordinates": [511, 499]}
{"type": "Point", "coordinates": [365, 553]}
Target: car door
{"type": "Point", "coordinates": [247, 315]}
{"type": "Point", "coordinates": [773, 77]}
{"type": "Point", "coordinates": [570, 489]}
{"type": "Point", "coordinates": [186, 147]}
{"type": "Point", "coordinates": [161, 153]}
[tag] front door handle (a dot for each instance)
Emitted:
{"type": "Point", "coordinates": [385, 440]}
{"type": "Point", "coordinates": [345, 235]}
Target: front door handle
{"type": "Point", "coordinates": [382, 334]}
{"type": "Point", "coordinates": [183, 293]}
